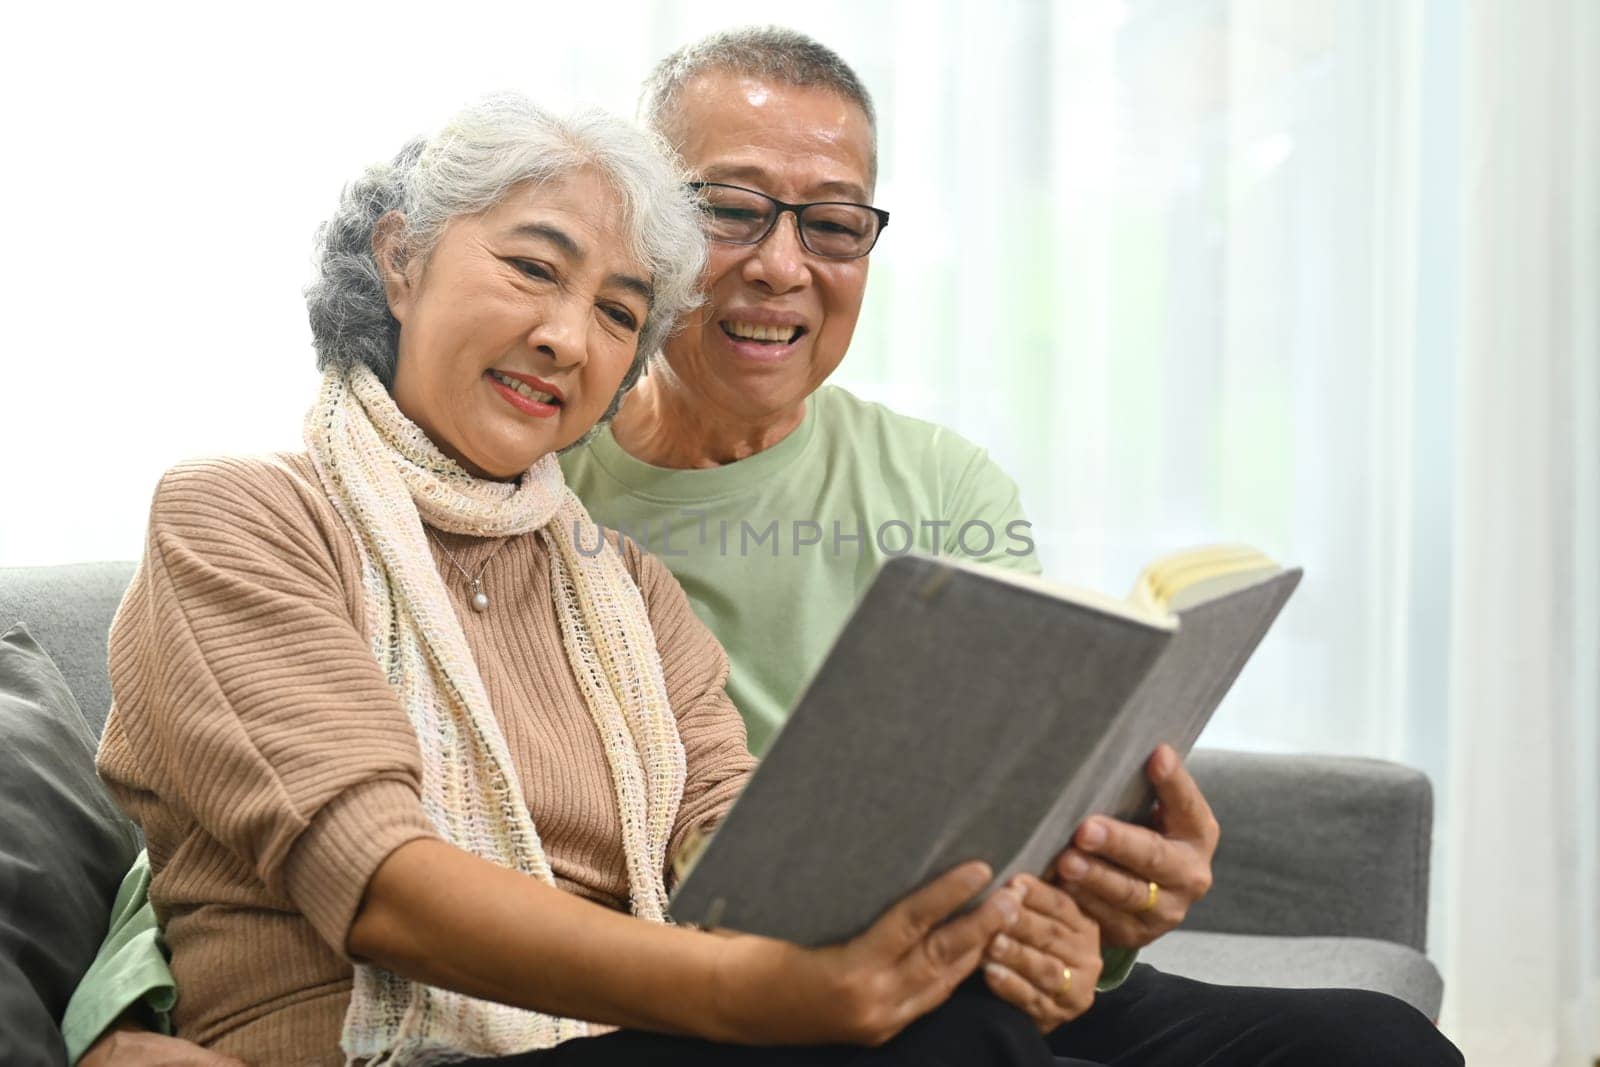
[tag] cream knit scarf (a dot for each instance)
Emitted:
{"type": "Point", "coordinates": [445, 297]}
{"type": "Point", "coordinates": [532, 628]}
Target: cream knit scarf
{"type": "Point", "coordinates": [386, 478]}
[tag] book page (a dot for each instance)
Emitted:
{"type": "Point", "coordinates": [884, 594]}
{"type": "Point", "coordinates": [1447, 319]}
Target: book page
{"type": "Point", "coordinates": [1183, 579]}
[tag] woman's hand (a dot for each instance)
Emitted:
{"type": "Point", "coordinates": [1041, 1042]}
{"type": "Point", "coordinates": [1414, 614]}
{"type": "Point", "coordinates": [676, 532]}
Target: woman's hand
{"type": "Point", "coordinates": [127, 1045]}
{"type": "Point", "coordinates": [867, 990]}
{"type": "Point", "coordinates": [1112, 866]}
{"type": "Point", "coordinates": [1048, 963]}
{"type": "Point", "coordinates": [439, 915]}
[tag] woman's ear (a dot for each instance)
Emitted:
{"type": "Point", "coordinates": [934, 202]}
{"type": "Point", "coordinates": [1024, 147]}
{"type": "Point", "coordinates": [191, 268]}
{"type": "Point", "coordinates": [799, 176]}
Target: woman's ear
{"type": "Point", "coordinates": [394, 263]}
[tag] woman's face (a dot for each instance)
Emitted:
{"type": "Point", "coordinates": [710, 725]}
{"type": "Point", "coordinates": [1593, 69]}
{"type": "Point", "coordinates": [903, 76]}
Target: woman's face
{"type": "Point", "coordinates": [517, 329]}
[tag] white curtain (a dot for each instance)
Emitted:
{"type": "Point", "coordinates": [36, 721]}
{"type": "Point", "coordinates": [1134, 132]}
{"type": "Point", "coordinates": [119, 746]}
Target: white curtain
{"type": "Point", "coordinates": [1522, 925]}
{"type": "Point", "coordinates": [1320, 275]}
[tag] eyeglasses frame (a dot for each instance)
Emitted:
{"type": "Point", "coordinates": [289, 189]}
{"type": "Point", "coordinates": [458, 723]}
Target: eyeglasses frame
{"type": "Point", "coordinates": [795, 209]}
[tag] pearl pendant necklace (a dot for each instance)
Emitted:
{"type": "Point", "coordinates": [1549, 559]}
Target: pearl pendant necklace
{"type": "Point", "coordinates": [479, 599]}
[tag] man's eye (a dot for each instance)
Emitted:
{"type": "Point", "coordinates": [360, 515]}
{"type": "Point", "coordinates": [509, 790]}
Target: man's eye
{"type": "Point", "coordinates": [835, 229]}
{"type": "Point", "coordinates": [734, 214]}
{"type": "Point", "coordinates": [532, 269]}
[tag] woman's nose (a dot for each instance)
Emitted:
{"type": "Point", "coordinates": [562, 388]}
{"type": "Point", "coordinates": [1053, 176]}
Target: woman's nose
{"type": "Point", "coordinates": [561, 332]}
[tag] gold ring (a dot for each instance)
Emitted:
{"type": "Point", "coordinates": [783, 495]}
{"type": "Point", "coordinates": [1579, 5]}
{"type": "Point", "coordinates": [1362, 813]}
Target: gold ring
{"type": "Point", "coordinates": [1066, 980]}
{"type": "Point", "coordinates": [1150, 900]}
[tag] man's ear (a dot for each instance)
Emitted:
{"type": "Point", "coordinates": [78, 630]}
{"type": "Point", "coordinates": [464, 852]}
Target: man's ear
{"type": "Point", "coordinates": [394, 263]}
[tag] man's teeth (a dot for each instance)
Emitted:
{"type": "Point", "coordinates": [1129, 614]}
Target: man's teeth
{"type": "Point", "coordinates": [522, 388]}
{"type": "Point", "coordinates": [752, 332]}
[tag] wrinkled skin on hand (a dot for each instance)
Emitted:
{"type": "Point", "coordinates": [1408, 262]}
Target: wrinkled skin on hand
{"type": "Point", "coordinates": [1110, 864]}
{"type": "Point", "coordinates": [1048, 962]}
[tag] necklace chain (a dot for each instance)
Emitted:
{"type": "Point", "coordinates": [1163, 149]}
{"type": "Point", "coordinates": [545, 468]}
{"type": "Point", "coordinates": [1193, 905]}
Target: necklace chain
{"type": "Point", "coordinates": [480, 599]}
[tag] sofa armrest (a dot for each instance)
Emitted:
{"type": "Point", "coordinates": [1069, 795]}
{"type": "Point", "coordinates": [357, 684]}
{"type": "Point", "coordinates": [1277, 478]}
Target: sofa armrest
{"type": "Point", "coordinates": [1316, 846]}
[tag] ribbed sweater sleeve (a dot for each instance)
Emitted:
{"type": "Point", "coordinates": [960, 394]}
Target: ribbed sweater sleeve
{"type": "Point", "coordinates": [248, 705]}
{"type": "Point", "coordinates": [696, 671]}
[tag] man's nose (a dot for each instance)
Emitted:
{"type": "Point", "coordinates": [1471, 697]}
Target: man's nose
{"type": "Point", "coordinates": [779, 261]}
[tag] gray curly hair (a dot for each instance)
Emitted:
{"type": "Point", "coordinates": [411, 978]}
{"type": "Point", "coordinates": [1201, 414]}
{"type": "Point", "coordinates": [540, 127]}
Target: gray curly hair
{"type": "Point", "coordinates": [487, 149]}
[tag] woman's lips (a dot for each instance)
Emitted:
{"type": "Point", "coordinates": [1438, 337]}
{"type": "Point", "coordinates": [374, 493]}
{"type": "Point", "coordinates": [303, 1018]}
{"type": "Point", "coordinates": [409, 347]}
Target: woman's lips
{"type": "Point", "coordinates": [526, 405]}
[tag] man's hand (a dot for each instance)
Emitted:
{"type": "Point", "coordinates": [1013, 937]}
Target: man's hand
{"type": "Point", "coordinates": [126, 1045]}
{"type": "Point", "coordinates": [1110, 865]}
{"type": "Point", "coordinates": [1048, 963]}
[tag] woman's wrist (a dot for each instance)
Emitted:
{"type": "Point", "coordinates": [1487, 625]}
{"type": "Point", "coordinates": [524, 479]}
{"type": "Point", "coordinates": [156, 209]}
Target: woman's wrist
{"type": "Point", "coordinates": [746, 975]}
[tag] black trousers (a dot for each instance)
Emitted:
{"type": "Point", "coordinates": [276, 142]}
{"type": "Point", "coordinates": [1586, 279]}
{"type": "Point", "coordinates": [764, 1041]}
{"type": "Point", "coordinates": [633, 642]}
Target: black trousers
{"type": "Point", "coordinates": [972, 1028]}
{"type": "Point", "coordinates": [1152, 1020]}
{"type": "Point", "coordinates": [1162, 1020]}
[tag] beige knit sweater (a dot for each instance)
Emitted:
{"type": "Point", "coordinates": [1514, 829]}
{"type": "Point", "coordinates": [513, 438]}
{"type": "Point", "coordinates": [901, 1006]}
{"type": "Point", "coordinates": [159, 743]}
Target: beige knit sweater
{"type": "Point", "coordinates": [255, 740]}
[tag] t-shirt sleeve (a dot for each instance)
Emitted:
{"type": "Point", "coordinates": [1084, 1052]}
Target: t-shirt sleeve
{"type": "Point", "coordinates": [1115, 964]}
{"type": "Point", "coordinates": [129, 973]}
{"type": "Point", "coordinates": [716, 755]}
{"type": "Point", "coordinates": [249, 707]}
{"type": "Point", "coordinates": [983, 510]}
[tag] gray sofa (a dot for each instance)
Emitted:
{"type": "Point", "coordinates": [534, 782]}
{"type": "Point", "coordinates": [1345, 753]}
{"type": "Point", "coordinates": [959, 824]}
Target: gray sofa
{"type": "Point", "coordinates": [1321, 877]}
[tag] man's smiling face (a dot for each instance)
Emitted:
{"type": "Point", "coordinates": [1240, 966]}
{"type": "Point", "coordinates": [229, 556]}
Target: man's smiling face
{"type": "Point", "coordinates": [777, 318]}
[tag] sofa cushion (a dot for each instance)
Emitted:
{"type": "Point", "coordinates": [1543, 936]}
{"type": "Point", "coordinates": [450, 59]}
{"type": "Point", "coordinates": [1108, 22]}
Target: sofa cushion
{"type": "Point", "coordinates": [64, 848]}
{"type": "Point", "coordinates": [1301, 963]}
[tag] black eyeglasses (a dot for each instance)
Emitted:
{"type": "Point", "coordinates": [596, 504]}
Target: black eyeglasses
{"type": "Point", "coordinates": [831, 229]}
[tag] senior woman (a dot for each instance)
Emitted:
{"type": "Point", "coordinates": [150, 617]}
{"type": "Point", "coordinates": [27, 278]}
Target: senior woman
{"type": "Point", "coordinates": [412, 766]}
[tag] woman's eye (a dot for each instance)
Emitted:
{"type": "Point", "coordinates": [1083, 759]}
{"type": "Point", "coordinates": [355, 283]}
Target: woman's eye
{"type": "Point", "coordinates": [622, 317]}
{"type": "Point", "coordinates": [532, 269]}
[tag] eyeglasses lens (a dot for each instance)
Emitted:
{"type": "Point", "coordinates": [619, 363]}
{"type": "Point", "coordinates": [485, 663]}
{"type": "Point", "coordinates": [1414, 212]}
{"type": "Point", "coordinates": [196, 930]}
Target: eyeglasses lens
{"type": "Point", "coordinates": [838, 231]}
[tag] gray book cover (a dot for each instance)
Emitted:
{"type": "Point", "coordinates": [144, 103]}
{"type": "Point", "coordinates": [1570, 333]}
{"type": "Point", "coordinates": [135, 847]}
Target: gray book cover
{"type": "Point", "coordinates": [961, 714]}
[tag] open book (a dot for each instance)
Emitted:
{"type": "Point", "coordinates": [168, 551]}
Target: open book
{"type": "Point", "coordinates": [966, 712]}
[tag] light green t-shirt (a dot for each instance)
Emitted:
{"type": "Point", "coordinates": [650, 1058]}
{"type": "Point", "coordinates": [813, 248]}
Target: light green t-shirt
{"type": "Point", "coordinates": [775, 550]}
{"type": "Point", "coordinates": [129, 971]}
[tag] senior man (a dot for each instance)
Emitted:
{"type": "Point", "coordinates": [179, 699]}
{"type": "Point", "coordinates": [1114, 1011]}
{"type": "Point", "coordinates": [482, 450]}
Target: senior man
{"type": "Point", "coordinates": [773, 497]}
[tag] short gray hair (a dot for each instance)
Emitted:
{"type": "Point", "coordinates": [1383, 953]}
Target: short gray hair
{"type": "Point", "coordinates": [480, 155]}
{"type": "Point", "coordinates": [772, 53]}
